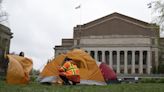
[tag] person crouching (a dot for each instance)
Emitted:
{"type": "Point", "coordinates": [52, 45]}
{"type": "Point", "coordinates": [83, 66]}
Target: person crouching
{"type": "Point", "coordinates": [69, 72]}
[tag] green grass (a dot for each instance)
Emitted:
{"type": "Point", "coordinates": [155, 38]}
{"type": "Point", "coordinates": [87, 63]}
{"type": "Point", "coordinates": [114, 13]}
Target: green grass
{"type": "Point", "coordinates": [36, 87]}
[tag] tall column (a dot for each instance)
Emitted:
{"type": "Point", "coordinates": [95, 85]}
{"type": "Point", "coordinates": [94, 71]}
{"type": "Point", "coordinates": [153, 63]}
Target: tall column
{"type": "Point", "coordinates": [118, 62]}
{"type": "Point", "coordinates": [148, 62]}
{"type": "Point", "coordinates": [133, 62]}
{"type": "Point", "coordinates": [141, 63]}
{"type": "Point", "coordinates": [125, 63]}
{"type": "Point", "coordinates": [156, 59]}
{"type": "Point", "coordinates": [111, 59]}
{"type": "Point", "coordinates": [103, 56]}
{"type": "Point", "coordinates": [96, 56]}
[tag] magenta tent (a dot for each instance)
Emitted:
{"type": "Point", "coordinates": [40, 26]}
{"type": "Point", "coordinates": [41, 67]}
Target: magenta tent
{"type": "Point", "coordinates": [107, 72]}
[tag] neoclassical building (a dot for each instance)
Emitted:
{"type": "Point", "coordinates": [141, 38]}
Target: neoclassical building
{"type": "Point", "coordinates": [5, 37]}
{"type": "Point", "coordinates": [126, 44]}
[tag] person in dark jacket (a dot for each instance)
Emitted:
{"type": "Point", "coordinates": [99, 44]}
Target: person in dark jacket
{"type": "Point", "coordinates": [21, 54]}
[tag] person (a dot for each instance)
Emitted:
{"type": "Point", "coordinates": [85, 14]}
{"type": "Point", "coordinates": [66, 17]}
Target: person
{"type": "Point", "coordinates": [69, 72]}
{"type": "Point", "coordinates": [5, 63]}
{"type": "Point", "coordinates": [21, 54]}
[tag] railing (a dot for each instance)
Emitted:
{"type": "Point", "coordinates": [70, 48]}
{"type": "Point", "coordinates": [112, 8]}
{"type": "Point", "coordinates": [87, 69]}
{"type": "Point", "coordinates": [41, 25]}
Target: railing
{"type": "Point", "coordinates": [140, 75]}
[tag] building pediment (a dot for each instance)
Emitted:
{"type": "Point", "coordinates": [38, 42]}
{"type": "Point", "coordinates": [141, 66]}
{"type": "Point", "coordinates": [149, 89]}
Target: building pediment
{"type": "Point", "coordinates": [116, 24]}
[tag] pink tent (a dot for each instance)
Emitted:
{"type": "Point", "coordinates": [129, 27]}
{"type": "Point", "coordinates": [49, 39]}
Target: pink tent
{"type": "Point", "coordinates": [107, 72]}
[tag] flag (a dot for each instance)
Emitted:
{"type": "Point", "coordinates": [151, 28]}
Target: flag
{"type": "Point", "coordinates": [79, 6]}
{"type": "Point", "coordinates": [149, 5]}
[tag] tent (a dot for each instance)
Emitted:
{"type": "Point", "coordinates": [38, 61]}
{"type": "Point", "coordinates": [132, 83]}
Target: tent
{"type": "Point", "coordinates": [89, 71]}
{"type": "Point", "coordinates": [18, 69]}
{"type": "Point", "coordinates": [107, 72]}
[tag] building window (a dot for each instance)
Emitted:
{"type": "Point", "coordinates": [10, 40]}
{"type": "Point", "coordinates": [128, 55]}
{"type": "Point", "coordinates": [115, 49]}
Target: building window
{"type": "Point", "coordinates": [137, 57]}
{"type": "Point", "coordinates": [144, 57]}
{"type": "Point", "coordinates": [122, 57]}
{"type": "Point", "coordinates": [100, 56]}
{"type": "Point", "coordinates": [122, 71]}
{"type": "Point", "coordinates": [114, 57]}
{"type": "Point", "coordinates": [92, 54]}
{"type": "Point", "coordinates": [137, 70]}
{"type": "Point", "coordinates": [144, 70]}
{"type": "Point", "coordinates": [129, 71]}
{"type": "Point", "coordinates": [129, 57]}
{"type": "Point", "coordinates": [107, 57]}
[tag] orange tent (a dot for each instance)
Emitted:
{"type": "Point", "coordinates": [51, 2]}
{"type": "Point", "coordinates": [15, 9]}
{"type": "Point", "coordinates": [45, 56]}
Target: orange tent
{"type": "Point", "coordinates": [89, 71]}
{"type": "Point", "coordinates": [18, 69]}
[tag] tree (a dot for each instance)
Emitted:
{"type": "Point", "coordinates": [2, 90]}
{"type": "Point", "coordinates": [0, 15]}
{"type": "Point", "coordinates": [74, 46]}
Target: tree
{"type": "Point", "coordinates": [3, 14]}
{"type": "Point", "coordinates": [158, 9]}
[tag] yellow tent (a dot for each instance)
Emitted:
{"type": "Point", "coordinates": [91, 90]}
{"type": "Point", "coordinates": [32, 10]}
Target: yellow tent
{"type": "Point", "coordinates": [89, 71]}
{"type": "Point", "coordinates": [18, 69]}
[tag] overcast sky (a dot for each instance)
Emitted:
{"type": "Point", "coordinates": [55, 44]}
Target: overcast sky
{"type": "Point", "coordinates": [39, 25]}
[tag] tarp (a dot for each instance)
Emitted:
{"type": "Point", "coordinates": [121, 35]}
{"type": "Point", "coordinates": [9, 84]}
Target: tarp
{"type": "Point", "coordinates": [89, 71]}
{"type": "Point", "coordinates": [107, 72]}
{"type": "Point", "coordinates": [18, 69]}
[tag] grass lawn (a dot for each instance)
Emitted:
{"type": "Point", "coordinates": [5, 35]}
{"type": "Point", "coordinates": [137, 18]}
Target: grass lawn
{"type": "Point", "coordinates": [36, 87]}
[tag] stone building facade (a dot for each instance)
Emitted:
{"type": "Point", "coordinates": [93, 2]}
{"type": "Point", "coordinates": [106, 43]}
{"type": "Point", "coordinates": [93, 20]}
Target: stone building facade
{"type": "Point", "coordinates": [5, 37]}
{"type": "Point", "coordinates": [126, 44]}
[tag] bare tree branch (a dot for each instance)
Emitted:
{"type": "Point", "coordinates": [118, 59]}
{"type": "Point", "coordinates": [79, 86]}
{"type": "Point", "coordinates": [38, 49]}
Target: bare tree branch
{"type": "Point", "coordinates": [3, 14]}
{"type": "Point", "coordinates": [158, 8]}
